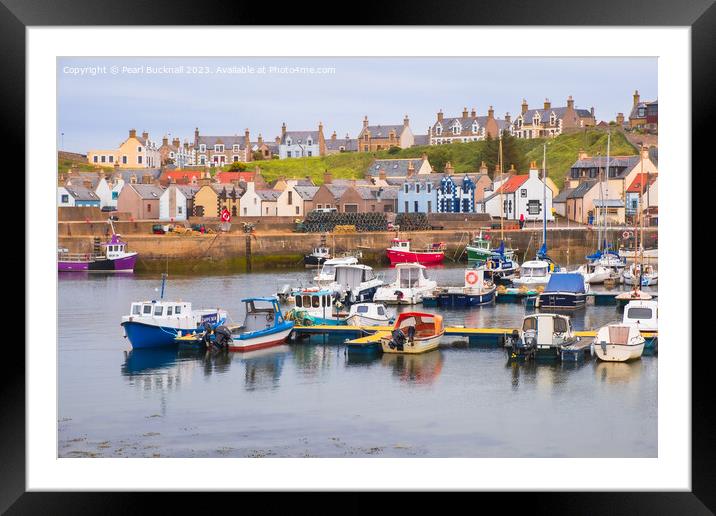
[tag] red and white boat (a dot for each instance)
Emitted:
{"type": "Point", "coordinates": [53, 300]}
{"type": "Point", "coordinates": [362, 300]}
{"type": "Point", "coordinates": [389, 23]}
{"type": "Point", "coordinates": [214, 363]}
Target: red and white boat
{"type": "Point", "coordinates": [400, 252]}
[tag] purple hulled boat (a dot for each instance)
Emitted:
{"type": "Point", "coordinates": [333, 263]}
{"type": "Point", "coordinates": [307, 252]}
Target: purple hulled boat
{"type": "Point", "coordinates": [114, 259]}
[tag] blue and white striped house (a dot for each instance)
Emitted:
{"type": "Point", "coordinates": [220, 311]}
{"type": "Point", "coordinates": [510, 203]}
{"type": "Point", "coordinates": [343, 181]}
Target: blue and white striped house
{"type": "Point", "coordinates": [456, 195]}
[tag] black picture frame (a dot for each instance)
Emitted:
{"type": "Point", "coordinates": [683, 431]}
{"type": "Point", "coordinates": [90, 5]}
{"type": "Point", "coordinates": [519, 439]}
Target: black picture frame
{"type": "Point", "coordinates": [16, 15]}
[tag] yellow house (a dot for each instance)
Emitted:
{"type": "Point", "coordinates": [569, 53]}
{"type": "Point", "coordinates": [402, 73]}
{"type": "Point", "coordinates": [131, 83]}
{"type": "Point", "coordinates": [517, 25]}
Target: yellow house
{"type": "Point", "coordinates": [212, 198]}
{"type": "Point", "coordinates": [134, 152]}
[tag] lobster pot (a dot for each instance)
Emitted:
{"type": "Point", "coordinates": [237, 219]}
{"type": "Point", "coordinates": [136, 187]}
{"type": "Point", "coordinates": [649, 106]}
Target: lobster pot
{"type": "Point", "coordinates": [474, 277]}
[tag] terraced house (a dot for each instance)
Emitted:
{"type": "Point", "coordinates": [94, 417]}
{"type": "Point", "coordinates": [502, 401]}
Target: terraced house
{"type": "Point", "coordinates": [176, 153]}
{"type": "Point", "coordinates": [467, 128]}
{"type": "Point", "coordinates": [220, 150]}
{"type": "Point", "coordinates": [551, 121]}
{"type": "Point", "coordinates": [644, 115]}
{"type": "Point", "coordinates": [134, 152]}
{"type": "Point", "coordinates": [212, 198]}
{"type": "Point", "coordinates": [399, 168]}
{"type": "Point", "coordinates": [301, 144]}
{"type": "Point", "coordinates": [380, 137]}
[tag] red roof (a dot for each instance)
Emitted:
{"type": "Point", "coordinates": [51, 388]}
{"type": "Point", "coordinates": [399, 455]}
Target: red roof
{"type": "Point", "coordinates": [512, 184]}
{"type": "Point", "coordinates": [639, 184]}
{"type": "Point", "coordinates": [228, 177]}
{"type": "Point", "coordinates": [180, 176]}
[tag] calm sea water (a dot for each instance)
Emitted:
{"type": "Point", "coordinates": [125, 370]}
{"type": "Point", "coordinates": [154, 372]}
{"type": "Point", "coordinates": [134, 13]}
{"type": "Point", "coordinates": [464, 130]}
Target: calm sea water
{"type": "Point", "coordinates": [311, 399]}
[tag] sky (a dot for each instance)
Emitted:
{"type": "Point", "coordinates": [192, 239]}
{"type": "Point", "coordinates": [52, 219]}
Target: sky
{"type": "Point", "coordinates": [100, 99]}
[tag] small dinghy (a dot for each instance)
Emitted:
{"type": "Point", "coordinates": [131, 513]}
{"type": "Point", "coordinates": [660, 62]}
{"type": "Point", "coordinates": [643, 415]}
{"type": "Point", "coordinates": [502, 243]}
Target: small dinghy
{"type": "Point", "coordinates": [618, 343]}
{"type": "Point", "coordinates": [368, 314]}
{"type": "Point", "coordinates": [414, 332]}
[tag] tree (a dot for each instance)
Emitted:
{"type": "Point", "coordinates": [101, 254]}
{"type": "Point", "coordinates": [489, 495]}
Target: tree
{"type": "Point", "coordinates": [393, 150]}
{"type": "Point", "coordinates": [237, 166]}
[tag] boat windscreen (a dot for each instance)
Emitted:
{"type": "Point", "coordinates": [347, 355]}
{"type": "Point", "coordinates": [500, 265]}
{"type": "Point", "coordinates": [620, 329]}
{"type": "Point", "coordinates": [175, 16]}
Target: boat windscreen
{"type": "Point", "coordinates": [639, 313]}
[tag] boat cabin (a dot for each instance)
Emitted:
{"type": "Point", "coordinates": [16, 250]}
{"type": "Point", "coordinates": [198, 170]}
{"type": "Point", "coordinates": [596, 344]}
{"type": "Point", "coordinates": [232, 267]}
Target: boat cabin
{"type": "Point", "coordinates": [315, 299]}
{"type": "Point", "coordinates": [547, 329]}
{"type": "Point", "coordinates": [261, 313]}
{"type": "Point", "coordinates": [321, 252]}
{"type": "Point", "coordinates": [115, 248]}
{"type": "Point", "coordinates": [410, 275]}
{"type": "Point", "coordinates": [643, 313]}
{"type": "Point", "coordinates": [424, 324]}
{"type": "Point", "coordinates": [352, 276]}
{"type": "Point", "coordinates": [536, 269]}
{"type": "Point", "coordinates": [373, 310]}
{"type": "Point", "coordinates": [400, 245]}
{"type": "Point", "coordinates": [160, 309]}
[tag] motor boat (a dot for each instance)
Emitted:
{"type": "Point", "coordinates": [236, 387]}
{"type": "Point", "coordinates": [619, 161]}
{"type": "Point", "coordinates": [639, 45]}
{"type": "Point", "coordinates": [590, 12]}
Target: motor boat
{"type": "Point", "coordinates": [327, 274]}
{"type": "Point", "coordinates": [502, 267]}
{"type": "Point", "coordinates": [565, 290]}
{"type": "Point", "coordinates": [411, 283]}
{"type": "Point", "coordinates": [636, 271]}
{"type": "Point", "coordinates": [317, 257]}
{"type": "Point", "coordinates": [400, 252]}
{"type": "Point", "coordinates": [594, 273]}
{"type": "Point", "coordinates": [316, 306]}
{"type": "Point", "coordinates": [355, 283]}
{"type": "Point", "coordinates": [534, 272]}
{"type": "Point", "coordinates": [115, 258]}
{"type": "Point", "coordinates": [368, 314]}
{"type": "Point", "coordinates": [478, 290]}
{"type": "Point", "coordinates": [414, 332]}
{"type": "Point", "coordinates": [480, 249]}
{"type": "Point", "coordinates": [542, 335]}
{"type": "Point", "coordinates": [618, 343]}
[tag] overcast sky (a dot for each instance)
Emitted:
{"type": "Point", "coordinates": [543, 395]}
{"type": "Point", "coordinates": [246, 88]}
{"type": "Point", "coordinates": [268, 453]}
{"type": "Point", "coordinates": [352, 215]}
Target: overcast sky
{"type": "Point", "coordinates": [98, 104]}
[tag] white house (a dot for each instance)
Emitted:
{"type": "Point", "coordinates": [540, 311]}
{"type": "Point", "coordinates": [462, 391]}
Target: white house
{"type": "Point", "coordinates": [71, 195]}
{"type": "Point", "coordinates": [290, 201]}
{"type": "Point", "coordinates": [108, 191]}
{"type": "Point", "coordinates": [521, 195]}
{"type": "Point", "coordinates": [258, 202]}
{"type": "Point", "coordinates": [301, 144]}
{"type": "Point", "coordinates": [176, 202]}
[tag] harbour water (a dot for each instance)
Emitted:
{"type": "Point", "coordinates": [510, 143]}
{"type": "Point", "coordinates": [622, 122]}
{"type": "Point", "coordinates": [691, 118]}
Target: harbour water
{"type": "Point", "coordinates": [312, 399]}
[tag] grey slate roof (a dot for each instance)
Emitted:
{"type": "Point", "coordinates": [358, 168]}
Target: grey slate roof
{"type": "Point", "coordinates": [394, 167]}
{"type": "Point", "coordinates": [227, 141]}
{"type": "Point", "coordinates": [189, 191]}
{"type": "Point", "coordinates": [300, 137]}
{"type": "Point", "coordinates": [382, 131]}
{"type": "Point", "coordinates": [348, 144]}
{"type": "Point", "coordinates": [80, 193]}
{"type": "Point", "coordinates": [464, 123]}
{"type": "Point", "coordinates": [147, 191]}
{"type": "Point", "coordinates": [625, 164]}
{"type": "Point", "coordinates": [268, 195]}
{"type": "Point", "coordinates": [78, 180]}
{"type": "Point", "coordinates": [579, 191]}
{"type": "Point", "coordinates": [609, 203]}
{"type": "Point", "coordinates": [127, 173]}
{"type": "Point", "coordinates": [219, 187]}
{"type": "Point", "coordinates": [306, 192]}
{"type": "Point", "coordinates": [562, 196]}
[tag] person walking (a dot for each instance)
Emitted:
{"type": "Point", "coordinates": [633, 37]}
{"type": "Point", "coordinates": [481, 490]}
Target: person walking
{"type": "Point", "coordinates": [522, 220]}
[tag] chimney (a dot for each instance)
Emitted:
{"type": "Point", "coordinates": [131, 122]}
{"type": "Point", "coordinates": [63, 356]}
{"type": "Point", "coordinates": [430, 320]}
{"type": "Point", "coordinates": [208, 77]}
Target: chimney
{"type": "Point", "coordinates": [508, 119]}
{"type": "Point", "coordinates": [440, 115]}
{"type": "Point", "coordinates": [411, 169]}
{"type": "Point", "coordinates": [327, 177]}
{"type": "Point", "coordinates": [406, 121]}
{"type": "Point", "coordinates": [449, 170]}
{"type": "Point", "coordinates": [196, 135]}
{"type": "Point", "coordinates": [644, 152]}
{"type": "Point", "coordinates": [582, 154]}
{"type": "Point", "coordinates": [247, 138]}
{"type": "Point", "coordinates": [283, 130]}
{"type": "Point", "coordinates": [547, 104]}
{"type": "Point", "coordinates": [636, 97]}
{"type": "Point", "coordinates": [570, 102]}
{"type": "Point", "coordinates": [498, 171]}
{"type": "Point", "coordinates": [620, 119]}
{"type": "Point", "coordinates": [320, 127]}
{"type": "Point", "coordinates": [592, 111]}
{"type": "Point", "coordinates": [473, 113]}
{"type": "Point", "coordinates": [333, 136]}
{"type": "Point", "coordinates": [464, 112]}
{"type": "Point", "coordinates": [365, 122]}
{"type": "Point", "coordinates": [524, 106]}
{"type": "Point", "coordinates": [176, 142]}
{"type": "Point", "coordinates": [381, 174]}
{"type": "Point", "coordinates": [490, 113]}
{"type": "Point", "coordinates": [512, 169]}
{"type": "Point", "coordinates": [165, 141]}
{"type": "Point", "coordinates": [145, 135]}
{"type": "Point", "coordinates": [132, 133]}
{"type": "Point", "coordinates": [483, 168]}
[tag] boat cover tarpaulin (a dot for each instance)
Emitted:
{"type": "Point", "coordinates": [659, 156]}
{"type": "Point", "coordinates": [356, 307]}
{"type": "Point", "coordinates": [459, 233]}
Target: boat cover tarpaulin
{"type": "Point", "coordinates": [566, 282]}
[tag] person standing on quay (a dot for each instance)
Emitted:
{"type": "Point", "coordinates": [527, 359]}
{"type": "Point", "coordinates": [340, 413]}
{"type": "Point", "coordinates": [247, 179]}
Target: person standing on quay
{"type": "Point", "coordinates": [522, 220]}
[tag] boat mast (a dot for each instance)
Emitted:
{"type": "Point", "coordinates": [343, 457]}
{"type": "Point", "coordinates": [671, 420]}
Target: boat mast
{"type": "Point", "coordinates": [164, 279]}
{"type": "Point", "coordinates": [544, 193]}
{"type": "Point", "coordinates": [502, 222]}
{"type": "Point", "coordinates": [606, 184]}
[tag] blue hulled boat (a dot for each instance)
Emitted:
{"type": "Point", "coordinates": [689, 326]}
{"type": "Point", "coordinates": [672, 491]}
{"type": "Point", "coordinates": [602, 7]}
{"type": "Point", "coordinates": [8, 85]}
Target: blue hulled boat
{"type": "Point", "coordinates": [565, 290]}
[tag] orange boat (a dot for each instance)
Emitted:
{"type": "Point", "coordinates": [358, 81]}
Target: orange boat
{"type": "Point", "coordinates": [414, 332]}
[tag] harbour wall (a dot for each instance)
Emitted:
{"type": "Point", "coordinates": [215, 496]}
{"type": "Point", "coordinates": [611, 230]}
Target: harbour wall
{"type": "Point", "coordinates": [239, 252]}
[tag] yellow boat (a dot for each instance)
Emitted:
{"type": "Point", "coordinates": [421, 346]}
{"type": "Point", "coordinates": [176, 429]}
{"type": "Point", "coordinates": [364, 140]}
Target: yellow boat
{"type": "Point", "coordinates": [414, 332]}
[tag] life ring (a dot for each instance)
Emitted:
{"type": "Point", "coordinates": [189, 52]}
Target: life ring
{"type": "Point", "coordinates": [626, 234]}
{"type": "Point", "coordinates": [471, 277]}
{"type": "Point", "coordinates": [225, 216]}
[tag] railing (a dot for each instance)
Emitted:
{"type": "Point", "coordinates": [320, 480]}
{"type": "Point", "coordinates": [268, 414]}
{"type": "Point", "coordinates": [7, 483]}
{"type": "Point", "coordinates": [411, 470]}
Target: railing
{"type": "Point", "coordinates": [74, 257]}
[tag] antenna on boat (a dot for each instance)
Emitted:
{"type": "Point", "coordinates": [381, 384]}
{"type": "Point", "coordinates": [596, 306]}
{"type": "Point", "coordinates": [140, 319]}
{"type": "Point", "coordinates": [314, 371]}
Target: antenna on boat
{"type": "Point", "coordinates": [502, 220]}
{"type": "Point", "coordinates": [164, 280]}
{"type": "Point", "coordinates": [604, 208]}
{"type": "Point", "coordinates": [544, 194]}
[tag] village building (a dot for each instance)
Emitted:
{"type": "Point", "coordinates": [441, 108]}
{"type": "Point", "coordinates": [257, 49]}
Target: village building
{"type": "Point", "coordinates": [264, 150]}
{"type": "Point", "coordinates": [212, 198]}
{"type": "Point", "coordinates": [177, 202]}
{"type": "Point", "coordinates": [291, 201]}
{"type": "Point", "coordinates": [467, 128]}
{"type": "Point", "coordinates": [521, 195]}
{"type": "Point", "coordinates": [638, 195]}
{"type": "Point", "coordinates": [141, 201]}
{"type": "Point", "coordinates": [76, 195]}
{"type": "Point", "coordinates": [146, 176]}
{"type": "Point", "coordinates": [180, 177]}
{"type": "Point", "coordinates": [235, 177]}
{"type": "Point", "coordinates": [400, 168]}
{"type": "Point", "coordinates": [258, 202]}
{"type": "Point", "coordinates": [306, 194]}
{"type": "Point", "coordinates": [134, 152]}
{"type": "Point", "coordinates": [382, 137]}
{"type": "Point", "coordinates": [418, 194]}
{"type": "Point", "coordinates": [644, 115]}
{"type": "Point", "coordinates": [217, 151]}
{"type": "Point", "coordinates": [551, 121]}
{"type": "Point", "coordinates": [301, 144]}
{"type": "Point", "coordinates": [335, 145]}
{"type": "Point", "coordinates": [175, 153]}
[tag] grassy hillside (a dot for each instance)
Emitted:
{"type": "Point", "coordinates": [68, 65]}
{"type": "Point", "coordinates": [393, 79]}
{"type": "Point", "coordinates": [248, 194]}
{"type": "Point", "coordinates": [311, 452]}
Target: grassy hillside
{"type": "Point", "coordinates": [464, 157]}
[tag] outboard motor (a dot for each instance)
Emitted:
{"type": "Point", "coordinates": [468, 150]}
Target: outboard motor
{"type": "Point", "coordinates": [530, 339]}
{"type": "Point", "coordinates": [223, 337]}
{"type": "Point", "coordinates": [397, 339]}
{"type": "Point", "coordinates": [206, 337]}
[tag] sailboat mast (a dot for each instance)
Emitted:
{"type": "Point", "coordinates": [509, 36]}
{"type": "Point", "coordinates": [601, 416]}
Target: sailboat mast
{"type": "Point", "coordinates": [502, 221]}
{"type": "Point", "coordinates": [544, 194]}
{"type": "Point", "coordinates": [604, 208]}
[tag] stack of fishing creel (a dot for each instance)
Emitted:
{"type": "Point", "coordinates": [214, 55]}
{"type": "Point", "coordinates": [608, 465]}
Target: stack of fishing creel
{"type": "Point", "coordinates": [412, 221]}
{"type": "Point", "coordinates": [319, 222]}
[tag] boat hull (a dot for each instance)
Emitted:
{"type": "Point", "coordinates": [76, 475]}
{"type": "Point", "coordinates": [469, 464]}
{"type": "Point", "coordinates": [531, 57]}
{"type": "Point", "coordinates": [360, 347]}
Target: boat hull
{"type": "Point", "coordinates": [618, 352]}
{"type": "Point", "coordinates": [146, 336]}
{"type": "Point", "coordinates": [313, 261]}
{"type": "Point", "coordinates": [560, 300]}
{"type": "Point", "coordinates": [416, 347]}
{"type": "Point", "coordinates": [261, 340]}
{"type": "Point", "coordinates": [124, 264]}
{"type": "Point", "coordinates": [465, 299]}
{"type": "Point", "coordinates": [423, 258]}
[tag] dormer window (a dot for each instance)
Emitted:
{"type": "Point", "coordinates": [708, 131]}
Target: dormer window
{"type": "Point", "coordinates": [535, 119]}
{"type": "Point", "coordinates": [519, 122]}
{"type": "Point", "coordinates": [236, 148]}
{"type": "Point", "coordinates": [406, 187]}
{"type": "Point", "coordinates": [218, 148]}
{"type": "Point", "coordinates": [202, 148]}
{"type": "Point", "coordinates": [474, 127]}
{"type": "Point", "coordinates": [288, 141]}
{"type": "Point", "coordinates": [438, 129]}
{"type": "Point", "coordinates": [456, 129]}
{"type": "Point", "coordinates": [552, 119]}
{"type": "Point", "coordinates": [309, 142]}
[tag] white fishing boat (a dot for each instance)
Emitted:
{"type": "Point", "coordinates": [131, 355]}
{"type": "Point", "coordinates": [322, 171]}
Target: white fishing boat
{"type": "Point", "coordinates": [411, 283]}
{"type": "Point", "coordinates": [594, 273]}
{"type": "Point", "coordinates": [644, 313]}
{"type": "Point", "coordinates": [368, 314]}
{"type": "Point", "coordinates": [541, 336]}
{"type": "Point", "coordinates": [414, 332]}
{"type": "Point", "coordinates": [641, 274]}
{"type": "Point", "coordinates": [618, 343]}
{"type": "Point", "coordinates": [534, 273]}
{"type": "Point", "coordinates": [355, 283]}
{"type": "Point", "coordinates": [318, 256]}
{"type": "Point", "coordinates": [314, 306]}
{"type": "Point", "coordinates": [628, 253]}
{"type": "Point", "coordinates": [327, 274]}
{"type": "Point", "coordinates": [478, 289]}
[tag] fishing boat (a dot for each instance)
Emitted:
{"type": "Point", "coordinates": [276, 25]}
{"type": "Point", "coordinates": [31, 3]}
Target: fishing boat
{"type": "Point", "coordinates": [541, 336]}
{"type": "Point", "coordinates": [355, 283]}
{"type": "Point", "coordinates": [368, 314]}
{"type": "Point", "coordinates": [501, 267]}
{"type": "Point", "coordinates": [643, 313]}
{"type": "Point", "coordinates": [263, 327]}
{"type": "Point", "coordinates": [641, 274]}
{"type": "Point", "coordinates": [156, 323]}
{"type": "Point", "coordinates": [480, 249]}
{"type": "Point", "coordinates": [477, 290]}
{"type": "Point", "coordinates": [414, 332]}
{"type": "Point", "coordinates": [317, 257]}
{"type": "Point", "coordinates": [400, 252]}
{"type": "Point", "coordinates": [618, 343]}
{"type": "Point", "coordinates": [565, 290]}
{"type": "Point", "coordinates": [411, 283]}
{"type": "Point", "coordinates": [114, 258]}
{"type": "Point", "coordinates": [316, 306]}
{"type": "Point", "coordinates": [327, 274]}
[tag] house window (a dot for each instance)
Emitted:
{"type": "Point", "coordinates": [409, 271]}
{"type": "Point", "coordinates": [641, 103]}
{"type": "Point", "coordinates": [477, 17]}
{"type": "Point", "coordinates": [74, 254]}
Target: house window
{"type": "Point", "coordinates": [236, 159]}
{"type": "Point", "coordinates": [139, 160]}
{"type": "Point", "coordinates": [298, 210]}
{"type": "Point", "coordinates": [534, 207]}
{"type": "Point", "coordinates": [202, 148]}
{"type": "Point", "coordinates": [456, 129]}
{"type": "Point", "coordinates": [439, 130]}
{"type": "Point", "coordinates": [309, 153]}
{"type": "Point", "coordinates": [124, 160]}
{"type": "Point", "coordinates": [290, 197]}
{"type": "Point", "coordinates": [415, 205]}
{"type": "Point", "coordinates": [94, 158]}
{"type": "Point", "coordinates": [149, 208]}
{"type": "Point", "coordinates": [111, 159]}
{"type": "Point", "coordinates": [139, 149]}
{"type": "Point", "coordinates": [407, 209]}
{"type": "Point", "coordinates": [115, 196]}
{"type": "Point", "coordinates": [102, 159]}
{"type": "Point", "coordinates": [288, 154]}
{"type": "Point", "coordinates": [266, 210]}
{"type": "Point", "coordinates": [417, 187]}
{"type": "Point", "coordinates": [202, 160]}
{"type": "Point", "coordinates": [430, 188]}
{"type": "Point", "coordinates": [179, 210]}
{"type": "Point", "coordinates": [430, 206]}
{"type": "Point", "coordinates": [244, 211]}
{"type": "Point", "coordinates": [523, 192]}
{"type": "Point", "coordinates": [218, 148]}
{"type": "Point", "coordinates": [236, 148]}
{"type": "Point", "coordinates": [65, 198]}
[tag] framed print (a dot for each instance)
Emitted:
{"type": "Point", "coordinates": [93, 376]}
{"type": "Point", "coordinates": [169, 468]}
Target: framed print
{"type": "Point", "coordinates": [359, 258]}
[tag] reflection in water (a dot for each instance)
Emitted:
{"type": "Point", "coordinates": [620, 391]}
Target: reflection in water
{"type": "Point", "coordinates": [618, 372]}
{"type": "Point", "coordinates": [262, 367]}
{"type": "Point", "coordinates": [421, 369]}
